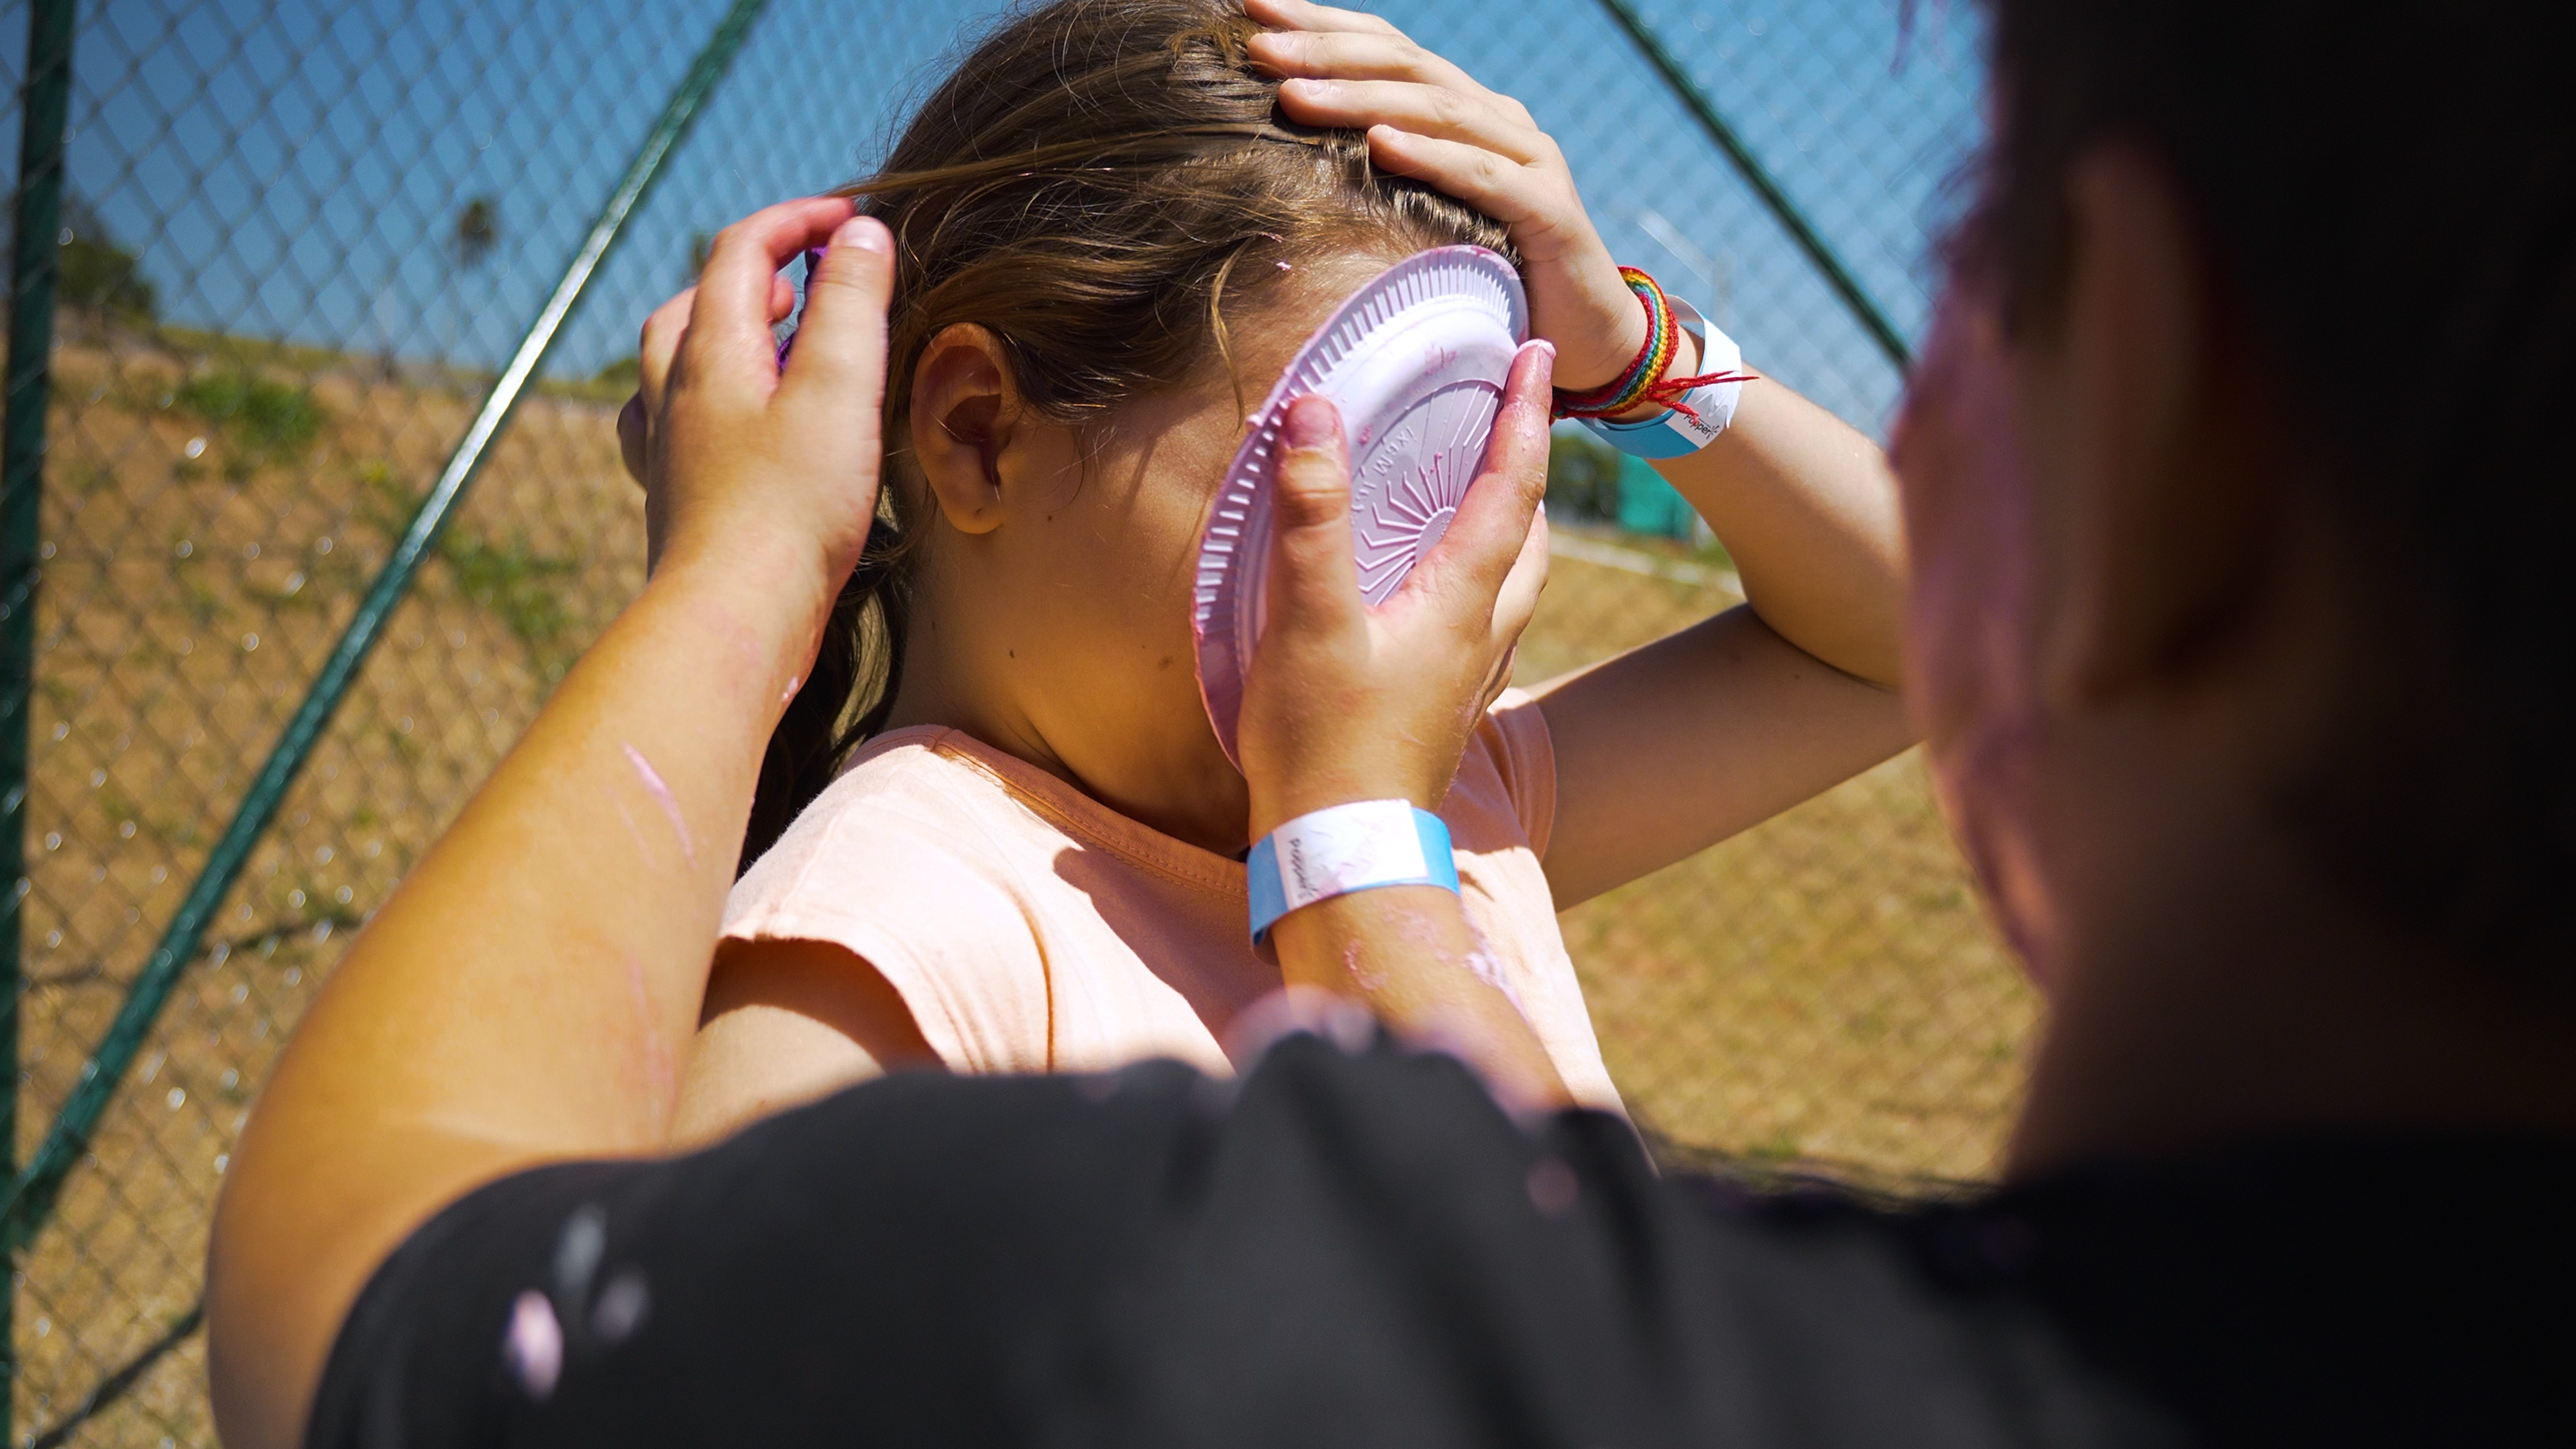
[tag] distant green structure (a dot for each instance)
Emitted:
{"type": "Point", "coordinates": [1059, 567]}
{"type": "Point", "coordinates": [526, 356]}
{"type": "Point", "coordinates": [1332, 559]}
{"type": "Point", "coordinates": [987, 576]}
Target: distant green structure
{"type": "Point", "coordinates": [1588, 481]}
{"type": "Point", "coordinates": [1648, 504]}
{"type": "Point", "coordinates": [1582, 476]}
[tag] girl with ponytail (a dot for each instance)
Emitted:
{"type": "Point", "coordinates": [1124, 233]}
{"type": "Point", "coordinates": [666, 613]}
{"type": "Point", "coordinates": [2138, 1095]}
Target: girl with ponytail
{"type": "Point", "coordinates": [994, 829]}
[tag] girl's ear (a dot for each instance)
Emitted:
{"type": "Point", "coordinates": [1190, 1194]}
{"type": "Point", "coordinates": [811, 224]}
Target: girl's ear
{"type": "Point", "coordinates": [963, 398]}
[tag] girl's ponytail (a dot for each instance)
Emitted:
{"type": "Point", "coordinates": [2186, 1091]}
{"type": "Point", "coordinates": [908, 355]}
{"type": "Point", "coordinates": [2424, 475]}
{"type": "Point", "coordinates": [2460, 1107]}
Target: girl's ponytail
{"type": "Point", "coordinates": [861, 658]}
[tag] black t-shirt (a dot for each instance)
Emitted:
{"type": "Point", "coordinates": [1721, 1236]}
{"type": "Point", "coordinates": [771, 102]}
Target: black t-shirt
{"type": "Point", "coordinates": [1361, 1250]}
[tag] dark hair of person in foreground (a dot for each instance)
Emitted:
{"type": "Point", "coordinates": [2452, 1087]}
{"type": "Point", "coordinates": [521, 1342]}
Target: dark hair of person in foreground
{"type": "Point", "coordinates": [2236, 490]}
{"type": "Point", "coordinates": [2385, 205]}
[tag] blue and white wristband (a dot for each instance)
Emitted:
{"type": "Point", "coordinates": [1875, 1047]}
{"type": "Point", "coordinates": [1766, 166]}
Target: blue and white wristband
{"type": "Point", "coordinates": [1346, 848]}
{"type": "Point", "coordinates": [1675, 433]}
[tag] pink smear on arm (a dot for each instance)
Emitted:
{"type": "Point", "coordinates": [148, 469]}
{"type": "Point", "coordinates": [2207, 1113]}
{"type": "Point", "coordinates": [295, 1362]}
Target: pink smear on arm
{"type": "Point", "coordinates": [642, 847]}
{"type": "Point", "coordinates": [1487, 967]}
{"type": "Point", "coordinates": [661, 1078]}
{"type": "Point", "coordinates": [1370, 983]}
{"type": "Point", "coordinates": [670, 803]}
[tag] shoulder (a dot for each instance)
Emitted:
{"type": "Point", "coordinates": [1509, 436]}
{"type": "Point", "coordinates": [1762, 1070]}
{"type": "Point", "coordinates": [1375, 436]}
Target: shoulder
{"type": "Point", "coordinates": [920, 864]}
{"type": "Point", "coordinates": [1158, 1258]}
{"type": "Point", "coordinates": [909, 830]}
{"type": "Point", "coordinates": [1623, 1307]}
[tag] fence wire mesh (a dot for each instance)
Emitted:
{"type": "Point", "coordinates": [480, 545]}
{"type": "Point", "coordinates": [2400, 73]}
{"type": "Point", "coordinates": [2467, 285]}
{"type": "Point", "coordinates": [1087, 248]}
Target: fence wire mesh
{"type": "Point", "coordinates": [298, 238]}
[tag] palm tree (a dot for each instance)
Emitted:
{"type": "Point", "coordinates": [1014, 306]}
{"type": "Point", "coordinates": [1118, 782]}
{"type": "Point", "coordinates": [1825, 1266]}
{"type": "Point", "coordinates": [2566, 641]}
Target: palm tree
{"type": "Point", "coordinates": [478, 231]}
{"type": "Point", "coordinates": [476, 234]}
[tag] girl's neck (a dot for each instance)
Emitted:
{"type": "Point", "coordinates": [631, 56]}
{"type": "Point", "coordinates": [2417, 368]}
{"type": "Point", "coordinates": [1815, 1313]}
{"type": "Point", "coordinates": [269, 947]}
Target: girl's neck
{"type": "Point", "coordinates": [936, 691]}
{"type": "Point", "coordinates": [932, 694]}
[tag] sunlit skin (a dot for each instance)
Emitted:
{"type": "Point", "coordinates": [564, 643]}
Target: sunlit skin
{"type": "Point", "coordinates": [1668, 749]}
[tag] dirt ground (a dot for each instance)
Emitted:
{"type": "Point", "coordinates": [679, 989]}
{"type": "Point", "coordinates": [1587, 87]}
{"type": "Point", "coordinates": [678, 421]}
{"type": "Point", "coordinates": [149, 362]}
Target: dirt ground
{"type": "Point", "coordinates": [1820, 991]}
{"type": "Point", "coordinates": [197, 570]}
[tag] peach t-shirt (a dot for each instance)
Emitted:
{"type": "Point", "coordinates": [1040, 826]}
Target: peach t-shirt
{"type": "Point", "coordinates": [1030, 928]}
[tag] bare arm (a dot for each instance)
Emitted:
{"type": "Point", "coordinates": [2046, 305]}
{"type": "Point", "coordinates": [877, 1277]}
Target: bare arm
{"type": "Point", "coordinates": [787, 1022]}
{"type": "Point", "coordinates": [1344, 703]}
{"type": "Point", "coordinates": [1669, 748]}
{"type": "Point", "coordinates": [1807, 508]}
{"type": "Point", "coordinates": [530, 991]}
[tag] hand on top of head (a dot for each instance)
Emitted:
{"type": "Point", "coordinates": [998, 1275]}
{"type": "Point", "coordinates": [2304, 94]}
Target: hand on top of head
{"type": "Point", "coordinates": [1346, 702]}
{"type": "Point", "coordinates": [746, 463]}
{"type": "Point", "coordinates": [1428, 120]}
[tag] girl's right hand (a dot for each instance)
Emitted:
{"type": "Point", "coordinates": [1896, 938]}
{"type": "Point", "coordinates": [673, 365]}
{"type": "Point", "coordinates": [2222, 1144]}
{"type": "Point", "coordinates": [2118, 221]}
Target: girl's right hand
{"type": "Point", "coordinates": [1345, 702]}
{"type": "Point", "coordinates": [1428, 120]}
{"type": "Point", "coordinates": [743, 462]}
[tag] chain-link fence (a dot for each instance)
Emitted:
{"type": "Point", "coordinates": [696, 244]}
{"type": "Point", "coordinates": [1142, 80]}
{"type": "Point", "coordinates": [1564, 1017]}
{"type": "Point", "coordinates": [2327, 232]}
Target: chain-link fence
{"type": "Point", "coordinates": [295, 244]}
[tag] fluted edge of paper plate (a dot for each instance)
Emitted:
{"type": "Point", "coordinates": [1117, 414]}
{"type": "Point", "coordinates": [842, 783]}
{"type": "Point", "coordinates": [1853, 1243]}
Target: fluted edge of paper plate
{"type": "Point", "coordinates": [1458, 271]}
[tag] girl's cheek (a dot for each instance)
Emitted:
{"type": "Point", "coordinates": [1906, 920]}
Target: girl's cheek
{"type": "Point", "coordinates": [1972, 618]}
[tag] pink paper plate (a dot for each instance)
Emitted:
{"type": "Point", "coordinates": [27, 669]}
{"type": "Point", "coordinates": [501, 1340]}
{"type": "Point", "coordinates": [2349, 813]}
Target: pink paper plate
{"type": "Point", "coordinates": [1416, 361]}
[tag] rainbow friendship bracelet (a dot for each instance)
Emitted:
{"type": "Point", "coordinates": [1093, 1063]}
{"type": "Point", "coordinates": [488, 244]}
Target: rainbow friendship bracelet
{"type": "Point", "coordinates": [1663, 337]}
{"type": "Point", "coordinates": [1644, 381]}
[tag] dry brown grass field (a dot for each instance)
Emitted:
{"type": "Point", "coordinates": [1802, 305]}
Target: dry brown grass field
{"type": "Point", "coordinates": [200, 558]}
{"type": "Point", "coordinates": [1820, 991]}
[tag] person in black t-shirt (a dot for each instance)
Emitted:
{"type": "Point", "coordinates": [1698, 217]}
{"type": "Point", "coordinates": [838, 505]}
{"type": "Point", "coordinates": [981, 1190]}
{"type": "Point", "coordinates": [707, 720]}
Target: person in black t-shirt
{"type": "Point", "coordinates": [2235, 499]}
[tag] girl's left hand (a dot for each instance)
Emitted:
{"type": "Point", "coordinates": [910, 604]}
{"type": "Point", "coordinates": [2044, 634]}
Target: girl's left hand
{"type": "Point", "coordinates": [1426, 119]}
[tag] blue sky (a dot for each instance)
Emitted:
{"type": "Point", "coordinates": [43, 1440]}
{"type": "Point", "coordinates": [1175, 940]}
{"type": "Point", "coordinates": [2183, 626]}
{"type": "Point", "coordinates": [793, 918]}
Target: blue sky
{"type": "Point", "coordinates": [288, 168]}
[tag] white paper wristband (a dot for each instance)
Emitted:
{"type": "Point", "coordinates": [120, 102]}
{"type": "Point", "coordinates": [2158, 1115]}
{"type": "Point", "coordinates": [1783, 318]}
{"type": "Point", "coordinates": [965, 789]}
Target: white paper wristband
{"type": "Point", "coordinates": [1674, 433]}
{"type": "Point", "coordinates": [1346, 848]}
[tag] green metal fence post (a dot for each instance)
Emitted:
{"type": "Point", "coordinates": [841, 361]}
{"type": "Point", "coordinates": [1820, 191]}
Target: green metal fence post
{"type": "Point", "coordinates": [1829, 263]}
{"type": "Point", "coordinates": [35, 258]}
{"type": "Point", "coordinates": [25, 1203]}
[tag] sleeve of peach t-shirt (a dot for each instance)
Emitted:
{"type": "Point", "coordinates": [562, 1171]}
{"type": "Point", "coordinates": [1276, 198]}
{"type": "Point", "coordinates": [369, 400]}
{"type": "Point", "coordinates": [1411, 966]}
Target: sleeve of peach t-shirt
{"type": "Point", "coordinates": [900, 887]}
{"type": "Point", "coordinates": [1524, 756]}
{"type": "Point", "coordinates": [1503, 799]}
{"type": "Point", "coordinates": [1499, 812]}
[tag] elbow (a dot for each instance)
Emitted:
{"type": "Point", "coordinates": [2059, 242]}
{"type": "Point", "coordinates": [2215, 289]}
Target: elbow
{"type": "Point", "coordinates": [279, 1277]}
{"type": "Point", "coordinates": [247, 1405]}
{"type": "Point", "coordinates": [1885, 670]}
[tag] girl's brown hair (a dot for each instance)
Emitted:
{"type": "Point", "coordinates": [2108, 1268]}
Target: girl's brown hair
{"type": "Point", "coordinates": [1091, 185]}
